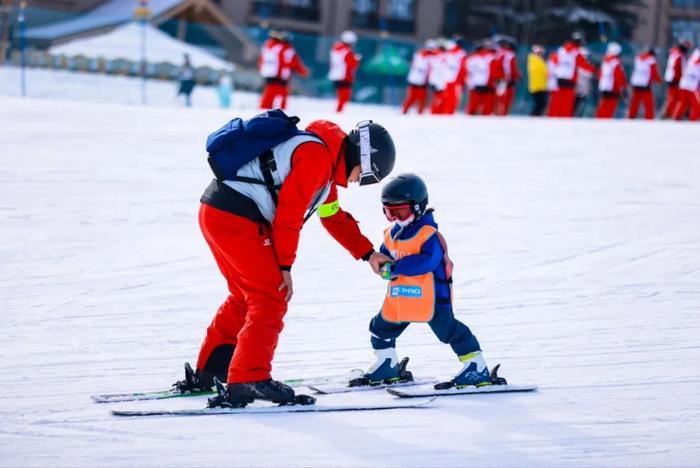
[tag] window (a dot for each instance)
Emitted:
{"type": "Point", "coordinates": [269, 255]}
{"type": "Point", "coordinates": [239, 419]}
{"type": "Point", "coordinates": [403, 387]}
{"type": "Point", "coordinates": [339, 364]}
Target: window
{"type": "Point", "coordinates": [686, 4]}
{"type": "Point", "coordinates": [305, 10]}
{"type": "Point", "coordinates": [396, 15]}
{"type": "Point", "coordinates": [685, 29]}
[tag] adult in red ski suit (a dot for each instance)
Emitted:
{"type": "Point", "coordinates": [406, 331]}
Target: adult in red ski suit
{"type": "Point", "coordinates": [672, 76]}
{"type": "Point", "coordinates": [511, 76]}
{"type": "Point", "coordinates": [567, 62]}
{"type": "Point", "coordinates": [343, 64]}
{"type": "Point", "coordinates": [254, 238]}
{"type": "Point", "coordinates": [456, 67]}
{"type": "Point", "coordinates": [611, 82]}
{"type": "Point", "coordinates": [483, 71]}
{"type": "Point", "coordinates": [644, 75]}
{"type": "Point", "coordinates": [689, 90]}
{"type": "Point", "coordinates": [277, 62]}
{"type": "Point", "coordinates": [418, 76]}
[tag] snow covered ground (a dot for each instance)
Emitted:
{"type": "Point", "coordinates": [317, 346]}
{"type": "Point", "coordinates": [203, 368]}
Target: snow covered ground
{"type": "Point", "coordinates": [577, 254]}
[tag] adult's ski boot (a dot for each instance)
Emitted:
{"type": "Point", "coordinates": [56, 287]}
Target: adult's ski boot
{"type": "Point", "coordinates": [194, 382]}
{"type": "Point", "coordinates": [474, 373]}
{"type": "Point", "coordinates": [239, 395]}
{"type": "Point", "coordinates": [386, 370]}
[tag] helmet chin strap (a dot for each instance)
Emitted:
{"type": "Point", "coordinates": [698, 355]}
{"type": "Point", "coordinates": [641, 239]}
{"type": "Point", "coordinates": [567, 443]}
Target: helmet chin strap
{"type": "Point", "coordinates": [367, 176]}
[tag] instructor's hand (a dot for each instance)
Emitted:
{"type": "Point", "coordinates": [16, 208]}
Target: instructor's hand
{"type": "Point", "coordinates": [287, 283]}
{"type": "Point", "coordinates": [376, 260]}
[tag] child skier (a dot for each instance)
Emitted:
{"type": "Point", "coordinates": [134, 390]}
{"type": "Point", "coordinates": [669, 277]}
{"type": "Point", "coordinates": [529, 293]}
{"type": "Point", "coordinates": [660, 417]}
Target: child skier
{"type": "Point", "coordinates": [419, 289]}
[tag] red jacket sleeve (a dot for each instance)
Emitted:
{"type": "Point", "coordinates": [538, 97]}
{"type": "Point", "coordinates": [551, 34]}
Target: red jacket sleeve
{"type": "Point", "coordinates": [343, 227]}
{"type": "Point", "coordinates": [620, 77]}
{"type": "Point", "coordinates": [655, 76]}
{"type": "Point", "coordinates": [298, 66]}
{"type": "Point", "coordinates": [581, 62]}
{"type": "Point", "coordinates": [311, 170]}
{"type": "Point", "coordinates": [514, 70]}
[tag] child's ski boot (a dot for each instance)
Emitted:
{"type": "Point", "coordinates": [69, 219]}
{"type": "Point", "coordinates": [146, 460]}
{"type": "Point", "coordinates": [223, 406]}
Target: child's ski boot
{"type": "Point", "coordinates": [474, 373]}
{"type": "Point", "coordinates": [386, 370]}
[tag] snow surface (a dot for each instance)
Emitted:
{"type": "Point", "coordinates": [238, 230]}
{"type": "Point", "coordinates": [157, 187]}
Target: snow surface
{"type": "Point", "coordinates": [577, 253]}
{"type": "Point", "coordinates": [124, 42]}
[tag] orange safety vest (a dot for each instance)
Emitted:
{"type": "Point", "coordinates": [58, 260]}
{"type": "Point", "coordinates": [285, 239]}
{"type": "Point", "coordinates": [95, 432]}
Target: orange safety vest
{"type": "Point", "coordinates": [409, 298]}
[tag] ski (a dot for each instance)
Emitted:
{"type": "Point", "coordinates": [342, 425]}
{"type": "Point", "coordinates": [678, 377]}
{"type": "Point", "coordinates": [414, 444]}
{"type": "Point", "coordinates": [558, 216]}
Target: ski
{"type": "Point", "coordinates": [332, 389]}
{"type": "Point", "coordinates": [173, 393]}
{"type": "Point", "coordinates": [498, 385]}
{"type": "Point", "coordinates": [273, 409]}
{"type": "Point", "coordinates": [430, 392]}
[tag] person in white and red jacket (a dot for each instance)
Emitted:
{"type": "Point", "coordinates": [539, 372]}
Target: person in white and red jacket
{"type": "Point", "coordinates": [511, 76]}
{"type": "Point", "coordinates": [612, 81]}
{"type": "Point", "coordinates": [644, 75]}
{"type": "Point", "coordinates": [278, 60]}
{"type": "Point", "coordinates": [418, 77]}
{"type": "Point", "coordinates": [455, 61]}
{"type": "Point", "coordinates": [568, 61]}
{"type": "Point", "coordinates": [343, 64]}
{"type": "Point", "coordinates": [689, 90]}
{"type": "Point", "coordinates": [673, 74]}
{"type": "Point", "coordinates": [484, 70]}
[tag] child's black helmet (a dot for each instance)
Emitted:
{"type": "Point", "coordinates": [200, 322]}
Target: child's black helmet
{"type": "Point", "coordinates": [407, 188]}
{"type": "Point", "coordinates": [371, 146]}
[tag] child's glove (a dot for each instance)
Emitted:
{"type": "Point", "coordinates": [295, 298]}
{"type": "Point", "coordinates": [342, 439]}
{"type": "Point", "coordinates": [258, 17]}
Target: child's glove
{"type": "Point", "coordinates": [386, 272]}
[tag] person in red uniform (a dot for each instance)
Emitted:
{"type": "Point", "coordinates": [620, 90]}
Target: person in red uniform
{"type": "Point", "coordinates": [418, 76]}
{"type": "Point", "coordinates": [611, 82]}
{"type": "Point", "coordinates": [511, 76]}
{"type": "Point", "coordinates": [568, 62]}
{"type": "Point", "coordinates": [672, 76]}
{"type": "Point", "coordinates": [278, 61]}
{"type": "Point", "coordinates": [456, 68]}
{"type": "Point", "coordinates": [644, 75]}
{"type": "Point", "coordinates": [689, 90]}
{"type": "Point", "coordinates": [483, 72]}
{"type": "Point", "coordinates": [343, 64]}
{"type": "Point", "coordinates": [253, 233]}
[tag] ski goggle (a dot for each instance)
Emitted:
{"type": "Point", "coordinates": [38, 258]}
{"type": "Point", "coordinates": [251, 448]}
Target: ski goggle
{"type": "Point", "coordinates": [367, 176]}
{"type": "Point", "coordinates": [399, 212]}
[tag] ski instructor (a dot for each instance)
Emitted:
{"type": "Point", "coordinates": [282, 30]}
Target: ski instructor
{"type": "Point", "coordinates": [252, 229]}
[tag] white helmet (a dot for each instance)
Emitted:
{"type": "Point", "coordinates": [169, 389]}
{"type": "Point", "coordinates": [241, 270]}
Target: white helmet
{"type": "Point", "coordinates": [614, 49]}
{"type": "Point", "coordinates": [585, 51]}
{"type": "Point", "coordinates": [430, 44]}
{"type": "Point", "coordinates": [348, 37]}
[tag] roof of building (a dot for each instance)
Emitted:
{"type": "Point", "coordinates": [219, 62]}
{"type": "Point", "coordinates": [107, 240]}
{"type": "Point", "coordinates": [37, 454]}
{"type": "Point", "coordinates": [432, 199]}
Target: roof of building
{"type": "Point", "coordinates": [112, 13]}
{"type": "Point", "coordinates": [124, 42]}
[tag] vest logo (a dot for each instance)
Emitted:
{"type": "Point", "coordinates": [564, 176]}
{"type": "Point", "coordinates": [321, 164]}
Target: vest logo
{"type": "Point", "coordinates": [406, 291]}
{"type": "Point", "coordinates": [267, 242]}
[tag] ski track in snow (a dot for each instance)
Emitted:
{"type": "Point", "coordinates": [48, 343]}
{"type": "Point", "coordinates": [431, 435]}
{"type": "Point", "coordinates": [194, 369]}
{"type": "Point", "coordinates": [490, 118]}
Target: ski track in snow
{"type": "Point", "coordinates": [577, 266]}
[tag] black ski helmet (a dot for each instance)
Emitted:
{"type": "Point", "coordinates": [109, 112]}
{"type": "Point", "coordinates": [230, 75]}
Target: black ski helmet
{"type": "Point", "coordinates": [371, 147]}
{"type": "Point", "coordinates": [407, 188]}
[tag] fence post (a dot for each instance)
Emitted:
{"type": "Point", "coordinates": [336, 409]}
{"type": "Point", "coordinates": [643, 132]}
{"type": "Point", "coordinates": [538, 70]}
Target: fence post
{"type": "Point", "coordinates": [141, 14]}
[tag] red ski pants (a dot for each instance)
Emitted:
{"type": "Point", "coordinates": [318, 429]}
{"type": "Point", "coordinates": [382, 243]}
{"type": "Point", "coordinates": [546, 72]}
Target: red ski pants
{"type": "Point", "coordinates": [607, 107]}
{"type": "Point", "coordinates": [671, 101]}
{"type": "Point", "coordinates": [415, 95]}
{"type": "Point", "coordinates": [481, 102]}
{"type": "Point", "coordinates": [437, 106]}
{"type": "Point", "coordinates": [642, 97]}
{"type": "Point", "coordinates": [452, 98]}
{"type": "Point", "coordinates": [687, 103]}
{"type": "Point", "coordinates": [563, 102]}
{"type": "Point", "coordinates": [505, 101]}
{"type": "Point", "coordinates": [251, 316]}
{"type": "Point", "coordinates": [343, 93]}
{"type": "Point", "coordinates": [273, 91]}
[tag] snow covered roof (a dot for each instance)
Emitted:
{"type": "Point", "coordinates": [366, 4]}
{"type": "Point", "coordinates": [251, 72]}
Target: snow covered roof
{"type": "Point", "coordinates": [124, 42]}
{"type": "Point", "coordinates": [112, 13]}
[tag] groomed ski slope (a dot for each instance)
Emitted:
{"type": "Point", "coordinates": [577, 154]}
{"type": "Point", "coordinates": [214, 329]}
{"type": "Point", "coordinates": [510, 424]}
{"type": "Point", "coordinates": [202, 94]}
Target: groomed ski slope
{"type": "Point", "coordinates": [577, 251]}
